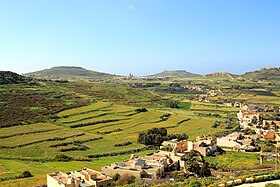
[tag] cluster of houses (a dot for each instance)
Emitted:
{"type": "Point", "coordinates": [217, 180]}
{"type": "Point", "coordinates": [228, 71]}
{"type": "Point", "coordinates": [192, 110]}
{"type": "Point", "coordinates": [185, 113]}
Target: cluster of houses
{"type": "Point", "coordinates": [132, 77]}
{"type": "Point", "coordinates": [237, 141]}
{"type": "Point", "coordinates": [151, 166]}
{"type": "Point", "coordinates": [252, 107]}
{"type": "Point", "coordinates": [81, 178]}
{"type": "Point", "coordinates": [203, 144]}
{"type": "Point", "coordinates": [250, 119]}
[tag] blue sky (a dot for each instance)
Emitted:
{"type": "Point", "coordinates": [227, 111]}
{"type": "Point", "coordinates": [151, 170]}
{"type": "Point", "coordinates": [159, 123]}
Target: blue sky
{"type": "Point", "coordinates": [140, 36]}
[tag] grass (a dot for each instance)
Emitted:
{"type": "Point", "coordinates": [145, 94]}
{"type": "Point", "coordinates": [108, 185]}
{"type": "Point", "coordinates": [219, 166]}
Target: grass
{"type": "Point", "coordinates": [235, 160]}
{"type": "Point", "coordinates": [39, 170]}
{"type": "Point", "coordinates": [61, 105]}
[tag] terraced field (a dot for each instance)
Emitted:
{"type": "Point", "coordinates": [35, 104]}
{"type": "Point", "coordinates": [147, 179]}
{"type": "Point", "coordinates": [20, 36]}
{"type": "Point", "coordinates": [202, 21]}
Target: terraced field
{"type": "Point", "coordinates": [82, 133]}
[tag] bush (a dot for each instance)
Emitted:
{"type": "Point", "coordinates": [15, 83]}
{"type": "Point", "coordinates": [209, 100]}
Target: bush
{"type": "Point", "coordinates": [25, 174]}
{"type": "Point", "coordinates": [156, 136]}
{"type": "Point", "coordinates": [272, 185]}
{"type": "Point", "coordinates": [138, 110]}
{"type": "Point", "coordinates": [62, 158]}
{"type": "Point", "coordinates": [123, 144]}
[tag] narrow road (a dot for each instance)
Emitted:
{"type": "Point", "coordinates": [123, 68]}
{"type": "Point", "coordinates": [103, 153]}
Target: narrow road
{"type": "Point", "coordinates": [259, 184]}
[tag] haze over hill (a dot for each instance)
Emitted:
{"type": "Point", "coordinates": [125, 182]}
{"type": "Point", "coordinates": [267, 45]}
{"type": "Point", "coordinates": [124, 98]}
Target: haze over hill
{"type": "Point", "coordinates": [79, 73]}
{"type": "Point", "coordinates": [68, 72]}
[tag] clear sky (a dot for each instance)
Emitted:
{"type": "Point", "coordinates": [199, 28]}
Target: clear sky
{"type": "Point", "coordinates": [140, 36]}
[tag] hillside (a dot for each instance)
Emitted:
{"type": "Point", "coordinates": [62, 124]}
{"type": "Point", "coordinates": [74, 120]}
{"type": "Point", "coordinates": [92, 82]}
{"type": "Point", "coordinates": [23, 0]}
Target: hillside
{"type": "Point", "coordinates": [8, 77]}
{"type": "Point", "coordinates": [271, 73]}
{"type": "Point", "coordinates": [224, 75]}
{"type": "Point", "coordinates": [70, 73]}
{"type": "Point", "coordinates": [47, 123]}
{"type": "Point", "coordinates": [176, 73]}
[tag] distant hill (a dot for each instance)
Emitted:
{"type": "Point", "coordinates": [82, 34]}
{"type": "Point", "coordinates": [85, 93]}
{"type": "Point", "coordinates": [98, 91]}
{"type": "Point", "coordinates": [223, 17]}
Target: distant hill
{"type": "Point", "coordinates": [269, 73]}
{"type": "Point", "coordinates": [8, 77]}
{"type": "Point", "coordinates": [176, 73]}
{"type": "Point", "coordinates": [70, 73]}
{"type": "Point", "coordinates": [221, 74]}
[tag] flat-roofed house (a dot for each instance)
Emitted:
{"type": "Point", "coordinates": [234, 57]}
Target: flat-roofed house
{"type": "Point", "coordinates": [81, 178]}
{"type": "Point", "coordinates": [140, 167]}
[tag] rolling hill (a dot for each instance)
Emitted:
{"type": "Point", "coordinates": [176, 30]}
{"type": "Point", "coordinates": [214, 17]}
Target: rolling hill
{"type": "Point", "coordinates": [69, 73]}
{"type": "Point", "coordinates": [270, 73]}
{"type": "Point", "coordinates": [176, 73]}
{"type": "Point", "coordinates": [8, 77]}
{"type": "Point", "coordinates": [221, 74]}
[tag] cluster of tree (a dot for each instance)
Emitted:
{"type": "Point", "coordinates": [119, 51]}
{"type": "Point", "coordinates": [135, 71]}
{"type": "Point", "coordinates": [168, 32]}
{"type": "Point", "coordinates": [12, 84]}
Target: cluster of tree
{"type": "Point", "coordinates": [239, 87]}
{"type": "Point", "coordinates": [65, 158]}
{"type": "Point", "coordinates": [144, 85]}
{"type": "Point", "coordinates": [117, 153]}
{"type": "Point", "coordinates": [138, 110]}
{"type": "Point", "coordinates": [122, 144]}
{"type": "Point", "coordinates": [229, 125]}
{"type": "Point", "coordinates": [76, 148]}
{"type": "Point", "coordinates": [175, 84]}
{"type": "Point", "coordinates": [25, 174]}
{"type": "Point", "coordinates": [268, 146]}
{"type": "Point", "coordinates": [173, 104]}
{"type": "Point", "coordinates": [216, 124]}
{"type": "Point", "coordinates": [156, 136]}
{"type": "Point", "coordinates": [196, 164]}
{"type": "Point", "coordinates": [209, 115]}
{"type": "Point", "coordinates": [61, 81]}
{"type": "Point", "coordinates": [222, 134]}
{"type": "Point", "coordinates": [111, 131]}
{"type": "Point", "coordinates": [121, 180]}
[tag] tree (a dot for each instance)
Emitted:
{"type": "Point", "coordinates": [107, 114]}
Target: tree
{"type": "Point", "coordinates": [116, 177]}
{"type": "Point", "coordinates": [173, 104]}
{"type": "Point", "coordinates": [156, 136]}
{"type": "Point", "coordinates": [178, 167]}
{"type": "Point", "coordinates": [26, 174]}
{"type": "Point", "coordinates": [195, 163]}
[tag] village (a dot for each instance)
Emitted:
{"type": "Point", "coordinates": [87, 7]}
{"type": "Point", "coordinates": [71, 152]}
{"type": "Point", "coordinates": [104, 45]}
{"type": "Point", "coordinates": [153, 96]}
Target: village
{"type": "Point", "coordinates": [171, 158]}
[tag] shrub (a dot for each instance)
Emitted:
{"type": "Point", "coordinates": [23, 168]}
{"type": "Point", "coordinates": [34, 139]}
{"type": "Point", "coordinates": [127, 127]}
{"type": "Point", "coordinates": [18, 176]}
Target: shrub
{"type": "Point", "coordinates": [138, 110]}
{"type": "Point", "coordinates": [123, 144]}
{"type": "Point", "coordinates": [25, 174]}
{"type": "Point", "coordinates": [272, 185]}
{"type": "Point", "coordinates": [62, 158]}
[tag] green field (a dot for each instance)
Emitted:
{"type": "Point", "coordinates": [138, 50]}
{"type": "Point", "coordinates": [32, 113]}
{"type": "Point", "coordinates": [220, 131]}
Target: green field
{"type": "Point", "coordinates": [42, 120]}
{"type": "Point", "coordinates": [42, 140]}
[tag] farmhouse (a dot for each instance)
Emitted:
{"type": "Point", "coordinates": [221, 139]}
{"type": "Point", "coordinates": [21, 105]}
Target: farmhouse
{"type": "Point", "coordinates": [248, 117]}
{"type": "Point", "coordinates": [203, 144]}
{"type": "Point", "coordinates": [237, 141]}
{"type": "Point", "coordinates": [85, 177]}
{"type": "Point", "coordinates": [140, 167]}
